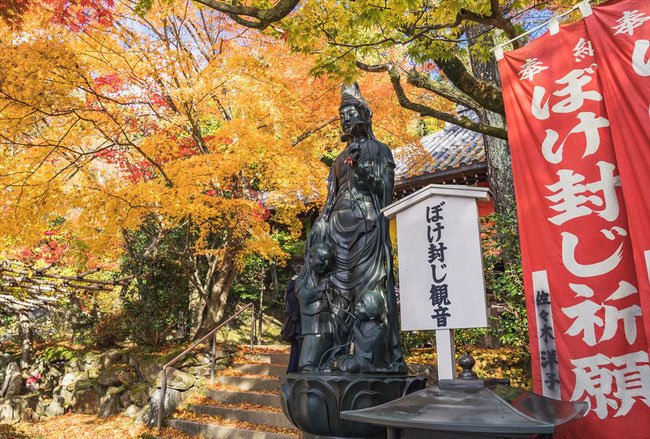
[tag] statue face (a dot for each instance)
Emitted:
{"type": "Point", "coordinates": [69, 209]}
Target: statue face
{"type": "Point", "coordinates": [322, 260]}
{"type": "Point", "coordinates": [361, 311]}
{"type": "Point", "coordinates": [370, 306]}
{"type": "Point", "coordinates": [350, 119]}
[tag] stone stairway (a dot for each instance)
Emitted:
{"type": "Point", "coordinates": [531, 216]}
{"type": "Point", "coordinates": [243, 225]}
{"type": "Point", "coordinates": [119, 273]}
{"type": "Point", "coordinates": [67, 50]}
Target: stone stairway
{"type": "Point", "coordinates": [242, 404]}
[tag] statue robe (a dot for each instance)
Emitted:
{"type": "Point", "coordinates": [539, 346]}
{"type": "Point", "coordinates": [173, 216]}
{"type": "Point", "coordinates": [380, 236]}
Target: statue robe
{"type": "Point", "coordinates": [352, 221]}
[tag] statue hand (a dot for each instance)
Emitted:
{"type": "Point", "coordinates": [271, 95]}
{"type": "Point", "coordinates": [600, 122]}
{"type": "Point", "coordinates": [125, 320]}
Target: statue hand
{"type": "Point", "coordinates": [354, 151]}
{"type": "Point", "coordinates": [324, 283]}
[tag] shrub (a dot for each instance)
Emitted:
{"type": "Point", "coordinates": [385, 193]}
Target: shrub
{"type": "Point", "coordinates": [156, 303]}
{"type": "Point", "coordinates": [109, 331]}
{"type": "Point", "coordinates": [504, 277]}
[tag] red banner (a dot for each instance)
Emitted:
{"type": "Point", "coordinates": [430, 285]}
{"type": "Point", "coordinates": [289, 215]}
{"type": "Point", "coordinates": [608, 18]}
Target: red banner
{"type": "Point", "coordinates": [586, 325]}
{"type": "Point", "coordinates": [620, 34]}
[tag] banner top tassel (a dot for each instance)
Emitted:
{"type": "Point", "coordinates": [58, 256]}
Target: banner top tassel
{"type": "Point", "coordinates": [553, 26]}
{"type": "Point", "coordinates": [585, 8]}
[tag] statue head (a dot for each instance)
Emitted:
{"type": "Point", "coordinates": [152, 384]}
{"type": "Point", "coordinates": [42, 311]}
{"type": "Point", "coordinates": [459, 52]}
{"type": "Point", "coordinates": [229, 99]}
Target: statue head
{"type": "Point", "coordinates": [354, 111]}
{"type": "Point", "coordinates": [296, 266]}
{"type": "Point", "coordinates": [371, 306]}
{"type": "Point", "coordinates": [321, 258]}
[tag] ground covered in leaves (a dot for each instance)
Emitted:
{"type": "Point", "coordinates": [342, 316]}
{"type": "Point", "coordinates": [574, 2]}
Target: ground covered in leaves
{"type": "Point", "coordinates": [75, 426]}
{"type": "Point", "coordinates": [191, 416]}
{"type": "Point", "coordinates": [204, 400]}
{"type": "Point", "coordinates": [510, 363]}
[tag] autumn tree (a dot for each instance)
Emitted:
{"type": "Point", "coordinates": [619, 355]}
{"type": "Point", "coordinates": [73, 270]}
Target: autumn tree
{"type": "Point", "coordinates": [76, 13]}
{"type": "Point", "coordinates": [427, 48]}
{"type": "Point", "coordinates": [180, 119]}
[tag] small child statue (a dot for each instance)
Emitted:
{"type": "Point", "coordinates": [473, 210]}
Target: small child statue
{"type": "Point", "coordinates": [316, 314]}
{"type": "Point", "coordinates": [370, 337]}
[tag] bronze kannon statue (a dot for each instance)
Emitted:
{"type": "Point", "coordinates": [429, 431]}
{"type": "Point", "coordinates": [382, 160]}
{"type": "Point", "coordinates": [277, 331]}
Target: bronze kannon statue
{"type": "Point", "coordinates": [346, 287]}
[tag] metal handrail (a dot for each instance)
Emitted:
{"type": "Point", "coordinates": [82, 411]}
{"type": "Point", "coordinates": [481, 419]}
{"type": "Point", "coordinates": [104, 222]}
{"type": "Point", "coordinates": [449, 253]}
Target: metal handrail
{"type": "Point", "coordinates": [213, 333]}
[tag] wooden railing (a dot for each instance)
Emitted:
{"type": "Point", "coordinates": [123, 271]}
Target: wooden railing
{"type": "Point", "coordinates": [213, 334]}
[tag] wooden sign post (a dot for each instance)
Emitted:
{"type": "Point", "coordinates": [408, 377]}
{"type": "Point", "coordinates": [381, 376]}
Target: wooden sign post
{"type": "Point", "coordinates": [441, 280]}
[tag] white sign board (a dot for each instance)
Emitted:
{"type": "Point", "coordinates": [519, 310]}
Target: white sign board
{"type": "Point", "coordinates": [441, 283]}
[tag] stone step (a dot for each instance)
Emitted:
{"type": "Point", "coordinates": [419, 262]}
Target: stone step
{"type": "Point", "coordinates": [267, 358]}
{"type": "Point", "coordinates": [276, 347]}
{"type": "Point", "coordinates": [274, 370]}
{"type": "Point", "coordinates": [271, 419]}
{"type": "Point", "coordinates": [249, 383]}
{"type": "Point", "coordinates": [214, 431]}
{"type": "Point", "coordinates": [244, 397]}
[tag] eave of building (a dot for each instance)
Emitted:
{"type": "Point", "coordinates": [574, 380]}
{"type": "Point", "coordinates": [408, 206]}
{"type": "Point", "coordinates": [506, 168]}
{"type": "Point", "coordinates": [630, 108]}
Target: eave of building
{"type": "Point", "coordinates": [471, 174]}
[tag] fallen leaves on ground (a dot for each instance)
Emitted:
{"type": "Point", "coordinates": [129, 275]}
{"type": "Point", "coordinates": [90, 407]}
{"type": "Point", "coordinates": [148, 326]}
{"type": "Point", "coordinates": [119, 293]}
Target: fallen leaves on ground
{"type": "Point", "coordinates": [266, 349]}
{"type": "Point", "coordinates": [227, 388]}
{"type": "Point", "coordinates": [191, 416]}
{"type": "Point", "coordinates": [510, 363]}
{"type": "Point", "coordinates": [204, 400]}
{"type": "Point", "coordinates": [9, 432]}
{"type": "Point", "coordinates": [238, 359]}
{"type": "Point", "coordinates": [77, 426]}
{"type": "Point", "coordinates": [230, 372]}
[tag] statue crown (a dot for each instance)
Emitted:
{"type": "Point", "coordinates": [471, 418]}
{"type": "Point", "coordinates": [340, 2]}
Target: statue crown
{"type": "Point", "coordinates": [351, 95]}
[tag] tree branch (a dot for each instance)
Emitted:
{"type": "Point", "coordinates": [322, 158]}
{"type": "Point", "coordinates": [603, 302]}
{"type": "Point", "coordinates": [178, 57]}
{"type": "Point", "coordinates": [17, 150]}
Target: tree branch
{"type": "Point", "coordinates": [423, 110]}
{"type": "Point", "coordinates": [496, 19]}
{"type": "Point", "coordinates": [419, 80]}
{"type": "Point", "coordinates": [313, 131]}
{"type": "Point", "coordinates": [482, 92]}
{"type": "Point", "coordinates": [262, 17]}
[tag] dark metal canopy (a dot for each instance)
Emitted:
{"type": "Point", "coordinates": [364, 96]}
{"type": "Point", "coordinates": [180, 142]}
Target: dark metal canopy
{"type": "Point", "coordinates": [500, 409]}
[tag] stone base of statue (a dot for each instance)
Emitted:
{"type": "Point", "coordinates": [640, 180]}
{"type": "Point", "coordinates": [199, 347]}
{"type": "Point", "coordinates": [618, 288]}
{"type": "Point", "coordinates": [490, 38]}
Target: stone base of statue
{"type": "Point", "coordinates": [313, 401]}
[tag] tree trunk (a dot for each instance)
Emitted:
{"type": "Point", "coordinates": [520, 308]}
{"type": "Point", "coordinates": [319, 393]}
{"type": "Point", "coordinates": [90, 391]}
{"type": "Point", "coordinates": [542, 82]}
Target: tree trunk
{"type": "Point", "coordinates": [275, 295]}
{"type": "Point", "coordinates": [261, 314]}
{"type": "Point", "coordinates": [497, 151]}
{"type": "Point", "coordinates": [215, 303]}
{"type": "Point", "coordinates": [196, 309]}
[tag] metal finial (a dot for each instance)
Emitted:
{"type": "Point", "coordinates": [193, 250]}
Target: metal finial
{"type": "Point", "coordinates": [467, 363]}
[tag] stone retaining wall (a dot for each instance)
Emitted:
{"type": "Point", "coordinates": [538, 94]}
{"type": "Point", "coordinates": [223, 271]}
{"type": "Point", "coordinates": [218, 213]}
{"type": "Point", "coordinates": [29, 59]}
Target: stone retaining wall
{"type": "Point", "coordinates": [102, 384]}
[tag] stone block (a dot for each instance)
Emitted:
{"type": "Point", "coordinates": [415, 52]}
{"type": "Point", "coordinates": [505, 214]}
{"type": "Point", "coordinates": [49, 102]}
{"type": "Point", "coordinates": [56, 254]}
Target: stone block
{"type": "Point", "coordinates": [172, 399]}
{"type": "Point", "coordinates": [91, 362]}
{"type": "Point", "coordinates": [56, 407]}
{"type": "Point", "coordinates": [177, 380]}
{"type": "Point", "coordinates": [12, 381]}
{"type": "Point", "coordinates": [110, 358]}
{"type": "Point", "coordinates": [11, 409]}
{"type": "Point", "coordinates": [117, 375]}
{"type": "Point", "coordinates": [109, 404]}
{"type": "Point", "coordinates": [149, 368]}
{"type": "Point", "coordinates": [143, 415]}
{"type": "Point", "coordinates": [125, 399]}
{"type": "Point", "coordinates": [131, 411]}
{"type": "Point", "coordinates": [428, 371]}
{"type": "Point", "coordinates": [70, 379]}
{"type": "Point", "coordinates": [86, 401]}
{"type": "Point", "coordinates": [140, 393]}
